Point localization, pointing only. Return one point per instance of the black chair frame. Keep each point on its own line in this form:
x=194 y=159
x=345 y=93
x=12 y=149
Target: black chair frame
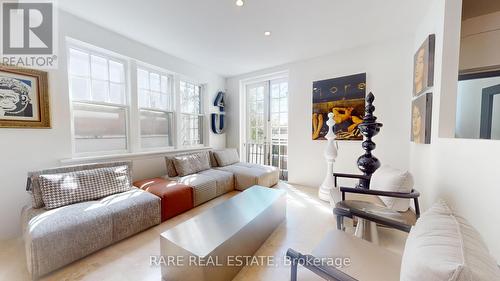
x=314 y=264
x=340 y=213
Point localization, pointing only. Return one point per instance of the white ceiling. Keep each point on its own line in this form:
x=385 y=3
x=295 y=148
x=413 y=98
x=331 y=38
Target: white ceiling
x=229 y=40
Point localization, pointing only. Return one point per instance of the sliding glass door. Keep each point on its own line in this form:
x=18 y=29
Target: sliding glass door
x=267 y=124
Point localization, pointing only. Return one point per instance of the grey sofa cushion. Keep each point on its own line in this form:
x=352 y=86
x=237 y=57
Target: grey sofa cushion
x=60 y=236
x=247 y=175
x=73 y=187
x=169 y=162
x=444 y=246
x=192 y=163
x=133 y=211
x=57 y=237
x=224 y=180
x=204 y=187
x=33 y=186
x=36 y=196
x=226 y=156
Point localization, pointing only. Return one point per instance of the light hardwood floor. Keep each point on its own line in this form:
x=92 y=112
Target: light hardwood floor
x=308 y=219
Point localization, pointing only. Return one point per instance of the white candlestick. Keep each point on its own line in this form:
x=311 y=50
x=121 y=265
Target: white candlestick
x=328 y=188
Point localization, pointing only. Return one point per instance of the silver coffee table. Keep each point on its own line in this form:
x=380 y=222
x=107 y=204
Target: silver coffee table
x=208 y=246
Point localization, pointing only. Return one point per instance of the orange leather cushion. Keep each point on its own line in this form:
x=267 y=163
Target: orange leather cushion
x=176 y=198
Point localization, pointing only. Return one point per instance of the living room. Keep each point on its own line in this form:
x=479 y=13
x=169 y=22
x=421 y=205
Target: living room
x=196 y=140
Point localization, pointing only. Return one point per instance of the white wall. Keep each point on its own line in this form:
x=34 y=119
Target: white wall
x=389 y=74
x=463 y=172
x=29 y=149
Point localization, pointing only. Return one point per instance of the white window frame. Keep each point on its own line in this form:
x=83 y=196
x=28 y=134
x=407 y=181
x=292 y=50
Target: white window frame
x=265 y=114
x=243 y=104
x=200 y=114
x=132 y=108
x=171 y=77
x=108 y=55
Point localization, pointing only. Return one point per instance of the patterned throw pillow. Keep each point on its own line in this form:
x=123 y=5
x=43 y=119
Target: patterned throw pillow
x=226 y=157
x=67 y=188
x=169 y=161
x=213 y=161
x=192 y=163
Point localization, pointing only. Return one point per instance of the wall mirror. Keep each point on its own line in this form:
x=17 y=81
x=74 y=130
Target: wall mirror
x=478 y=95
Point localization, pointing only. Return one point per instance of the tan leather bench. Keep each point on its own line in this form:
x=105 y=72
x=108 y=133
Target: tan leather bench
x=176 y=198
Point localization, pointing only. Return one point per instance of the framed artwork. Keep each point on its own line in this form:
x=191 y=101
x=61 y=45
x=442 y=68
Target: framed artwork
x=421 y=119
x=345 y=97
x=24 y=98
x=423 y=66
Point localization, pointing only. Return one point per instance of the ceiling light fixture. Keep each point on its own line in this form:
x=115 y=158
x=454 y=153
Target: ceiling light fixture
x=239 y=3
x=267 y=33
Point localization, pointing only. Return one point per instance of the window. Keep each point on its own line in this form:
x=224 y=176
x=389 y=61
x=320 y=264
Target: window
x=191 y=114
x=155 y=108
x=99 y=128
x=99 y=101
x=159 y=112
x=256 y=112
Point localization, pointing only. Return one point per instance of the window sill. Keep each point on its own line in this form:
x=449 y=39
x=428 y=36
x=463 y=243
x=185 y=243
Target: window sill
x=130 y=156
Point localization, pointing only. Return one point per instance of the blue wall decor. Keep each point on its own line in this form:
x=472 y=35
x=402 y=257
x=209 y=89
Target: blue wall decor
x=218 y=118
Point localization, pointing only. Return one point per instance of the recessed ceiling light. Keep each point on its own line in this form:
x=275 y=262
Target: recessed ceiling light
x=267 y=33
x=239 y=3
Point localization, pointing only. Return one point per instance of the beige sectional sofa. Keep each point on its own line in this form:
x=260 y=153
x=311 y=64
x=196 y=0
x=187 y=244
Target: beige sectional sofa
x=207 y=184
x=247 y=175
x=213 y=173
x=78 y=210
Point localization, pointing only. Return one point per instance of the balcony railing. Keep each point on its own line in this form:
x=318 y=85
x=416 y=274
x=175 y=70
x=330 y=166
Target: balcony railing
x=273 y=154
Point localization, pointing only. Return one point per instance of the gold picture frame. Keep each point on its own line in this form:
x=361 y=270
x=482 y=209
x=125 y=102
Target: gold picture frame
x=24 y=98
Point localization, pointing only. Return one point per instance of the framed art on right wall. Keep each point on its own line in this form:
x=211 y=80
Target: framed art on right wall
x=421 y=119
x=423 y=66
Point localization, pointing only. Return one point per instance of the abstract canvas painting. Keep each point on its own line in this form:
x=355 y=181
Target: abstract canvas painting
x=423 y=66
x=421 y=119
x=24 y=99
x=345 y=97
